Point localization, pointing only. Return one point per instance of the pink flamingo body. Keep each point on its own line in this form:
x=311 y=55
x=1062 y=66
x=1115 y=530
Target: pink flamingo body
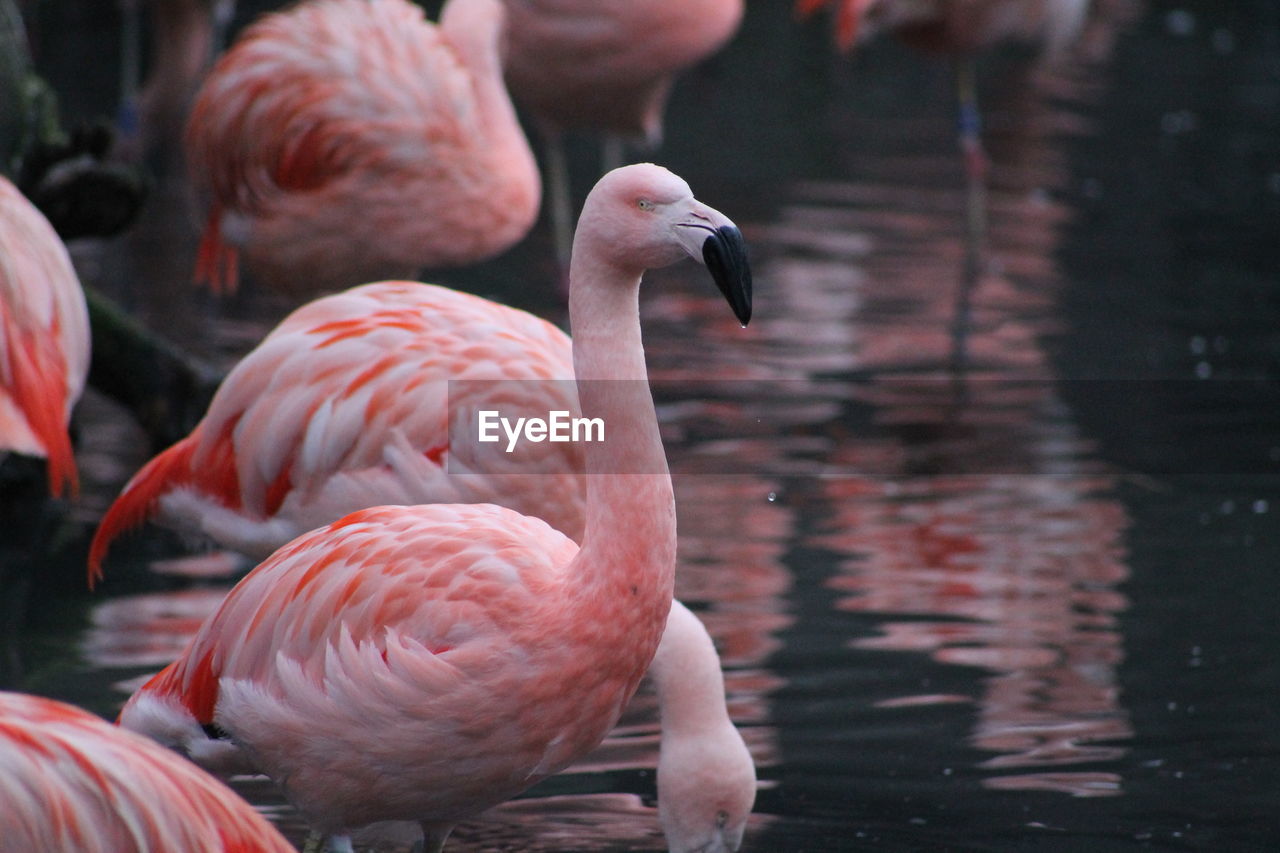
x=348 y=140
x=608 y=65
x=423 y=663
x=345 y=405
x=44 y=338
x=70 y=781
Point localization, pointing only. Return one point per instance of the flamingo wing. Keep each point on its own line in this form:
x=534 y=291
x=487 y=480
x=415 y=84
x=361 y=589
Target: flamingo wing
x=344 y=405
x=44 y=338
x=71 y=781
x=393 y=622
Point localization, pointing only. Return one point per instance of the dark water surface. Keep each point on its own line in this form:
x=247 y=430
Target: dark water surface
x=1007 y=585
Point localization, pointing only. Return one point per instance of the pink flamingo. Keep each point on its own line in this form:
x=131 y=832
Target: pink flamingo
x=426 y=662
x=315 y=422
x=72 y=781
x=350 y=140
x=339 y=367
x=606 y=66
x=44 y=339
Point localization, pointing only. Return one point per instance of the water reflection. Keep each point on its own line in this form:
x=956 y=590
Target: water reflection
x=966 y=515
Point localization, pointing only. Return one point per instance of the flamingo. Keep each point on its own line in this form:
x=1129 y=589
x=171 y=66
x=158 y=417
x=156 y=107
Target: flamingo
x=606 y=66
x=315 y=423
x=244 y=479
x=44 y=339
x=71 y=781
x=349 y=140
x=185 y=37
x=426 y=662
x=960 y=29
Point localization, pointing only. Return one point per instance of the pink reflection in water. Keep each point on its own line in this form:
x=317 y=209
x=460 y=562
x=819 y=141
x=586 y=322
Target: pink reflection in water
x=1012 y=568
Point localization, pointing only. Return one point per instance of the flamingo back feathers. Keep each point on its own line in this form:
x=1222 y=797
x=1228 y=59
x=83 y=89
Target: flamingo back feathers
x=355 y=140
x=71 y=781
x=344 y=405
x=44 y=338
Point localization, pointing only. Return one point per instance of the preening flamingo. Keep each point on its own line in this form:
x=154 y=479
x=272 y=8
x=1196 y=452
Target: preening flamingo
x=349 y=140
x=606 y=66
x=44 y=339
x=426 y=662
x=72 y=782
x=345 y=405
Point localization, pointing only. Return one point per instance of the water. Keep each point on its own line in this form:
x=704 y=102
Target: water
x=1007 y=588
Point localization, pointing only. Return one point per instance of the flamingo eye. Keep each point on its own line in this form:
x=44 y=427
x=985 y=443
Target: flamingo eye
x=645 y=204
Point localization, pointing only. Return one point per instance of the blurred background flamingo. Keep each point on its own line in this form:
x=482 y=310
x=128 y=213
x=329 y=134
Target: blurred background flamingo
x=961 y=30
x=477 y=684
x=344 y=141
x=605 y=66
x=44 y=339
x=185 y=37
x=70 y=781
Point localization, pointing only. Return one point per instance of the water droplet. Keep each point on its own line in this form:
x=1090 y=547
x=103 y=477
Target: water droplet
x=1180 y=22
x=1204 y=370
x=1220 y=344
x=1198 y=345
x=1273 y=182
x=947 y=771
x=1227 y=507
x=1172 y=706
x=1260 y=506
x=773 y=496
x=1223 y=41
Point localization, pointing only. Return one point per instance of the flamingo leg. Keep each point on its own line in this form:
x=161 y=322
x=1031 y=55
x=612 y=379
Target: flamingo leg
x=558 y=197
x=433 y=838
x=130 y=66
x=976 y=168
x=613 y=152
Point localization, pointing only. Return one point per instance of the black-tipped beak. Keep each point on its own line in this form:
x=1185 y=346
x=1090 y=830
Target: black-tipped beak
x=725 y=254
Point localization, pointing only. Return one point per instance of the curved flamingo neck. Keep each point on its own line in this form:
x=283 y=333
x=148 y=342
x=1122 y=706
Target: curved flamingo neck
x=686 y=673
x=629 y=531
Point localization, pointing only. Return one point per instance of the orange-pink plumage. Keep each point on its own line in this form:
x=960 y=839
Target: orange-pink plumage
x=345 y=405
x=44 y=339
x=70 y=781
x=425 y=662
x=608 y=65
x=349 y=140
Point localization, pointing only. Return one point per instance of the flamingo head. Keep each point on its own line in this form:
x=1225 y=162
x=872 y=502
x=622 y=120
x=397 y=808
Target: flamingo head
x=645 y=217
x=706 y=788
